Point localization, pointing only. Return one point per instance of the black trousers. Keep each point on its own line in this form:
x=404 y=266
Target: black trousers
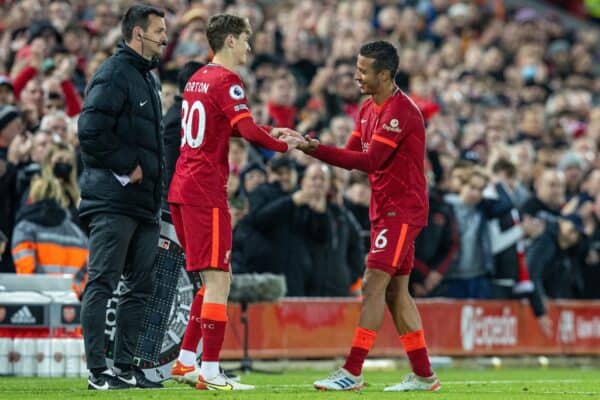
x=119 y=245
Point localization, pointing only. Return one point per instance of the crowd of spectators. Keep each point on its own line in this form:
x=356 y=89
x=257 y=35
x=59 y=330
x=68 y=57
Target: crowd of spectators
x=511 y=103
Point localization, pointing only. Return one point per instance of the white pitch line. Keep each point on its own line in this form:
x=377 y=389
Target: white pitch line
x=501 y=382
x=482 y=382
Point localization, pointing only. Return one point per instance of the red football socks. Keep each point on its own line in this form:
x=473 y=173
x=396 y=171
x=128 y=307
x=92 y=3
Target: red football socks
x=193 y=331
x=214 y=321
x=361 y=344
x=416 y=350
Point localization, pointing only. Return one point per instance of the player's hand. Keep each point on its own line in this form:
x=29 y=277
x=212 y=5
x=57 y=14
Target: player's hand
x=277 y=133
x=136 y=175
x=309 y=145
x=292 y=141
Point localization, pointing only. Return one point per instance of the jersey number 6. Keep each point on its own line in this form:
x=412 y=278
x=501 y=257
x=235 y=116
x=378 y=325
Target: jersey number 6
x=193 y=139
x=381 y=240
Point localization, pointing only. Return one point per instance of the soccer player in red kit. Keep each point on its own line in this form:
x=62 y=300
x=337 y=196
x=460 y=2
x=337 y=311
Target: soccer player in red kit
x=214 y=107
x=388 y=143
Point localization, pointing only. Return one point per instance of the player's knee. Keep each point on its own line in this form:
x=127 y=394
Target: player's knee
x=397 y=290
x=216 y=285
x=375 y=283
x=391 y=295
x=377 y=276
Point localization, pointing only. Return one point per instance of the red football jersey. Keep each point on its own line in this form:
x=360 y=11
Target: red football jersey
x=399 y=187
x=214 y=100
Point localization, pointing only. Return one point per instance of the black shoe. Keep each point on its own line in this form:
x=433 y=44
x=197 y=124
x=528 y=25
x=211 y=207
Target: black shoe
x=135 y=377
x=106 y=381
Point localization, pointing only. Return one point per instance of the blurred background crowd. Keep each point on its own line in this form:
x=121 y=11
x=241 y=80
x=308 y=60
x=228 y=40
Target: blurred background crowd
x=510 y=96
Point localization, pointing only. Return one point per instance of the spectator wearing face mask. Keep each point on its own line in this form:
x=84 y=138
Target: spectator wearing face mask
x=59 y=163
x=40 y=145
x=62 y=161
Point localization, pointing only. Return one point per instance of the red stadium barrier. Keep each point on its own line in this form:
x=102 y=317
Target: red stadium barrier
x=322 y=328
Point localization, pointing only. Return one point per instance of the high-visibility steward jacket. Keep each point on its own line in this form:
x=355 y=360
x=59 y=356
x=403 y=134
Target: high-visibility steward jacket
x=46 y=241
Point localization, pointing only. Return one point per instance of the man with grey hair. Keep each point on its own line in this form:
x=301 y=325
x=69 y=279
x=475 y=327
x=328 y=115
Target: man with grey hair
x=57 y=124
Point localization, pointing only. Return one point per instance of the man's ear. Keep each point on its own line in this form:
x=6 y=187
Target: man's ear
x=229 y=40
x=384 y=74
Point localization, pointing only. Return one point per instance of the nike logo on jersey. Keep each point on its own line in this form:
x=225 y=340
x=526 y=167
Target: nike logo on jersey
x=377 y=251
x=143 y=103
x=362 y=121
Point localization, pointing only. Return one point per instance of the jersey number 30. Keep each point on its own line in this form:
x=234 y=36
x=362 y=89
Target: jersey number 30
x=193 y=139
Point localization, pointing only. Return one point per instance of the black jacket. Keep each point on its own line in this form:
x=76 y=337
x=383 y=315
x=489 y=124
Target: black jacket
x=438 y=244
x=8 y=207
x=537 y=208
x=591 y=271
x=339 y=260
x=119 y=128
x=248 y=249
x=554 y=271
x=287 y=232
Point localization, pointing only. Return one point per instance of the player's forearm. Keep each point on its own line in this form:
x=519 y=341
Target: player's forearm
x=255 y=134
x=343 y=158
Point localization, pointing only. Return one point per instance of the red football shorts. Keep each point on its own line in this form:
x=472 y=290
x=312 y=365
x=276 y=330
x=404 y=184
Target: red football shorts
x=204 y=234
x=392 y=246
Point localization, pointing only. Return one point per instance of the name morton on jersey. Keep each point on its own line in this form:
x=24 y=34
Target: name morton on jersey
x=198 y=87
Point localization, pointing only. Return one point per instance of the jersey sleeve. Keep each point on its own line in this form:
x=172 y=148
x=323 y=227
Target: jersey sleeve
x=231 y=98
x=355 y=139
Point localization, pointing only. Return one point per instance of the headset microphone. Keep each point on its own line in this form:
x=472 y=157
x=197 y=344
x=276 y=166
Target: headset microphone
x=153 y=41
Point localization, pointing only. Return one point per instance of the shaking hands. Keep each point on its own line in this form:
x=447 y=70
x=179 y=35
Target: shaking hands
x=295 y=140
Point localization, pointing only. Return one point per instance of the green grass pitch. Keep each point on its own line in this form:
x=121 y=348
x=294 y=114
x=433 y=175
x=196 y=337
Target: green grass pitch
x=504 y=384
